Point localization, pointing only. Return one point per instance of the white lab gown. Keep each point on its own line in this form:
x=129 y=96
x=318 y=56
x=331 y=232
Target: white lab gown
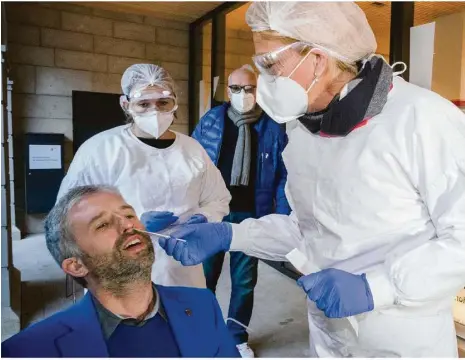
x=387 y=200
x=181 y=179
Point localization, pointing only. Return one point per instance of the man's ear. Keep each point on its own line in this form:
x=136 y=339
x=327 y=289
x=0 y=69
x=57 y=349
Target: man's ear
x=74 y=267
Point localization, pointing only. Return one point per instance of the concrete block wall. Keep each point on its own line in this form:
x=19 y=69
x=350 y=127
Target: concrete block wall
x=239 y=49
x=55 y=48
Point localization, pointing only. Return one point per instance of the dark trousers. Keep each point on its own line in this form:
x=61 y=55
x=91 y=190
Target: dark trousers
x=243 y=280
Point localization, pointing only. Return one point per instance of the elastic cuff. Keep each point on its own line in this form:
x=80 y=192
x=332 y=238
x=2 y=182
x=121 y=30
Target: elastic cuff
x=239 y=237
x=381 y=289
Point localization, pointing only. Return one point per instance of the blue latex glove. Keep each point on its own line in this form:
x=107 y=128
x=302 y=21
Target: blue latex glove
x=197 y=219
x=338 y=293
x=155 y=221
x=202 y=242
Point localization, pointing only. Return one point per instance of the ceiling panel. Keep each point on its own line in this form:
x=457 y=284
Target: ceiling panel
x=187 y=11
x=428 y=11
x=378 y=15
x=236 y=19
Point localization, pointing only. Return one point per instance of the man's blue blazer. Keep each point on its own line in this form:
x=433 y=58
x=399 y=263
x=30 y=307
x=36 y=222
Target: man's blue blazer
x=194 y=315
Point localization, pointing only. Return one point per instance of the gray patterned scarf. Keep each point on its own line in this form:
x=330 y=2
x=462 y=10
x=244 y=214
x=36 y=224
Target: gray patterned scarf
x=241 y=164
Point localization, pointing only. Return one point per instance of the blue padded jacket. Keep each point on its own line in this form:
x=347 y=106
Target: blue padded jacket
x=271 y=172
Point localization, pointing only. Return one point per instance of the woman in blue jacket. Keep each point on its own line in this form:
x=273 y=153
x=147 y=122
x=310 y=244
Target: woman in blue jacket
x=246 y=146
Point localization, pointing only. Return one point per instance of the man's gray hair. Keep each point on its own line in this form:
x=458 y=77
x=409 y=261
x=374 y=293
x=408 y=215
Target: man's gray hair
x=58 y=235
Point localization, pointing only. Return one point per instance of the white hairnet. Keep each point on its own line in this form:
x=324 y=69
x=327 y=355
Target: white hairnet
x=340 y=28
x=140 y=76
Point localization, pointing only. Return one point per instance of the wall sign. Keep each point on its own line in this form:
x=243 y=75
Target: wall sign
x=44 y=157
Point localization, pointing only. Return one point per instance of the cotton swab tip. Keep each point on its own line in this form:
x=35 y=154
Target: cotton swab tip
x=161 y=235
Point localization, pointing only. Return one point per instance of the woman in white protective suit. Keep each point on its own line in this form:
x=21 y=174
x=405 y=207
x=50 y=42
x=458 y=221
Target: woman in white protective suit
x=376 y=182
x=166 y=176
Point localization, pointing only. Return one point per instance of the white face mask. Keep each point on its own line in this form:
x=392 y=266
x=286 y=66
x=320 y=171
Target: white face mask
x=243 y=102
x=154 y=123
x=282 y=98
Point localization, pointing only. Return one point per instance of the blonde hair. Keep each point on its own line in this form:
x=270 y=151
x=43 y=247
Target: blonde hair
x=342 y=66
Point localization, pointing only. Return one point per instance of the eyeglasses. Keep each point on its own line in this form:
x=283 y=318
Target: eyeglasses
x=236 y=89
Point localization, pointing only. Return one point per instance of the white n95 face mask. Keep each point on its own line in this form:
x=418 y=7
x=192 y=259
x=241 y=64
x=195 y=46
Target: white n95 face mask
x=282 y=98
x=154 y=123
x=242 y=102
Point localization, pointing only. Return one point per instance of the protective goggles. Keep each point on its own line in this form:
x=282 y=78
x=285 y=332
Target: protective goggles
x=274 y=63
x=152 y=103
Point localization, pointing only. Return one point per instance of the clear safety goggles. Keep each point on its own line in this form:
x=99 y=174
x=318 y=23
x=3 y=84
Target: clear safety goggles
x=152 y=103
x=275 y=63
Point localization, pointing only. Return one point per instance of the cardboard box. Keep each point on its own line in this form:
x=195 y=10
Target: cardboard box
x=459 y=308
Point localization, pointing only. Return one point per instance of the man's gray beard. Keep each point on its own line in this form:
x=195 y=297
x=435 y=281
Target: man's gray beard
x=115 y=271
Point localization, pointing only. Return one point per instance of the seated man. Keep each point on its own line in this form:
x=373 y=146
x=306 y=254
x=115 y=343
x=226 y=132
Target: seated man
x=93 y=235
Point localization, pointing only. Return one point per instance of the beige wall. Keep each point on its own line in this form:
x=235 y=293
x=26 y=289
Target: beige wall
x=449 y=60
x=56 y=48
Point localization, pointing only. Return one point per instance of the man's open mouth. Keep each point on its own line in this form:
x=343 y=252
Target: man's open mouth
x=134 y=243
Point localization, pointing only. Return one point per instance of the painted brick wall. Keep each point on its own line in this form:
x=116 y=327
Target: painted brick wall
x=54 y=48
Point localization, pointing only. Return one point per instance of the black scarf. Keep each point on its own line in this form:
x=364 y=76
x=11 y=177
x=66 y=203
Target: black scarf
x=365 y=98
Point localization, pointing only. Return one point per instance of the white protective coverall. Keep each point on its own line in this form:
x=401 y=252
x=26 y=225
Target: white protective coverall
x=181 y=179
x=387 y=200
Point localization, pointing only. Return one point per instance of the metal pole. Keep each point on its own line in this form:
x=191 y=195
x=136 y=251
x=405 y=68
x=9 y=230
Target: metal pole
x=402 y=14
x=195 y=73
x=218 y=58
